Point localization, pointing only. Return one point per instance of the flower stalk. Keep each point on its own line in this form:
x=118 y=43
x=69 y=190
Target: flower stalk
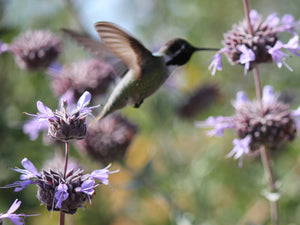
x=67 y=147
x=266 y=161
x=264 y=152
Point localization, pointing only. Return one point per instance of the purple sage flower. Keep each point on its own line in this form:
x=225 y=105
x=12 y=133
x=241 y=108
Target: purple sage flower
x=64 y=124
x=243 y=48
x=102 y=174
x=92 y=75
x=27 y=173
x=247 y=55
x=271 y=126
x=59 y=192
x=17 y=219
x=241 y=147
x=109 y=139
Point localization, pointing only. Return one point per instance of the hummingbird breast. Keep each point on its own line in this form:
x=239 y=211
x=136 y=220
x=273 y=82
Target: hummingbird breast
x=134 y=88
x=154 y=73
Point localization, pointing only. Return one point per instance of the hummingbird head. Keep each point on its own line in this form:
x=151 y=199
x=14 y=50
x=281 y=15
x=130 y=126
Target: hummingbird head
x=179 y=51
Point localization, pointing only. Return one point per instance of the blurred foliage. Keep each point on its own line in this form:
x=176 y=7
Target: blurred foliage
x=173 y=173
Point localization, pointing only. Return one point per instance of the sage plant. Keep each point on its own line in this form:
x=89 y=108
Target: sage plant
x=264 y=123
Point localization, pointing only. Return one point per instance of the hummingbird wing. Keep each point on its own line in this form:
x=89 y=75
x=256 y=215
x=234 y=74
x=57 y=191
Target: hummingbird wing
x=131 y=52
x=96 y=47
x=99 y=50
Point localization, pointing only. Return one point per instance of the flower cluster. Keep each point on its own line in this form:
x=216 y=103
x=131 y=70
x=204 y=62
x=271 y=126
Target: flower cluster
x=34 y=49
x=64 y=124
x=58 y=192
x=108 y=141
x=92 y=75
x=242 y=47
x=269 y=124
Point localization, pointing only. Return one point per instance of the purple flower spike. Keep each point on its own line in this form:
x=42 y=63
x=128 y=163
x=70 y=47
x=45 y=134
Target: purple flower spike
x=19 y=185
x=216 y=63
x=61 y=194
x=241 y=147
x=293 y=45
x=17 y=219
x=288 y=22
x=83 y=101
x=273 y=20
x=246 y=57
x=33 y=127
x=87 y=187
x=102 y=174
x=44 y=111
x=254 y=16
x=29 y=172
x=219 y=124
x=241 y=100
x=278 y=56
x=269 y=95
x=3 y=47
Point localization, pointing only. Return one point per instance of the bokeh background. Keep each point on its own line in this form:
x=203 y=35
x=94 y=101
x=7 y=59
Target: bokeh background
x=172 y=173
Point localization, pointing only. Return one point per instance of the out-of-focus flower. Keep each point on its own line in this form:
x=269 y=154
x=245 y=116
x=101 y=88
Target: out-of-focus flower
x=92 y=75
x=64 y=124
x=243 y=48
x=270 y=124
x=17 y=219
x=61 y=193
x=109 y=139
x=34 y=49
x=199 y=100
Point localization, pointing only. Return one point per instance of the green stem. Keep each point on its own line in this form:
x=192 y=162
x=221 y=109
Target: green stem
x=265 y=158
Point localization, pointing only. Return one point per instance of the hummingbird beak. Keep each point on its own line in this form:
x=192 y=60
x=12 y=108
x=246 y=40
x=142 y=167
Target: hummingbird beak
x=206 y=49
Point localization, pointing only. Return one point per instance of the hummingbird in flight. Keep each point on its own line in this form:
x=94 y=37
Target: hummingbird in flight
x=146 y=71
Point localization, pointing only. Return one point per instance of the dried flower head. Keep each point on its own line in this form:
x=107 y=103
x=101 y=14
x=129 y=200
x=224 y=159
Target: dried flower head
x=263 y=46
x=271 y=125
x=109 y=139
x=36 y=49
x=92 y=75
x=64 y=124
x=61 y=193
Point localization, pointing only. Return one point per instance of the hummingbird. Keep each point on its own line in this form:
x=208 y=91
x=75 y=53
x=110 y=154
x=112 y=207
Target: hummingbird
x=146 y=71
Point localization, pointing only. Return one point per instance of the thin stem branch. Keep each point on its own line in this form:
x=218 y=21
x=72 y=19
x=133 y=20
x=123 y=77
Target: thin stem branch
x=265 y=158
x=258 y=88
x=66 y=158
x=264 y=152
x=62 y=215
x=246 y=8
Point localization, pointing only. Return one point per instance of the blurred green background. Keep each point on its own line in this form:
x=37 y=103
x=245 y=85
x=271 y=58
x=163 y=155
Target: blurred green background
x=174 y=173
